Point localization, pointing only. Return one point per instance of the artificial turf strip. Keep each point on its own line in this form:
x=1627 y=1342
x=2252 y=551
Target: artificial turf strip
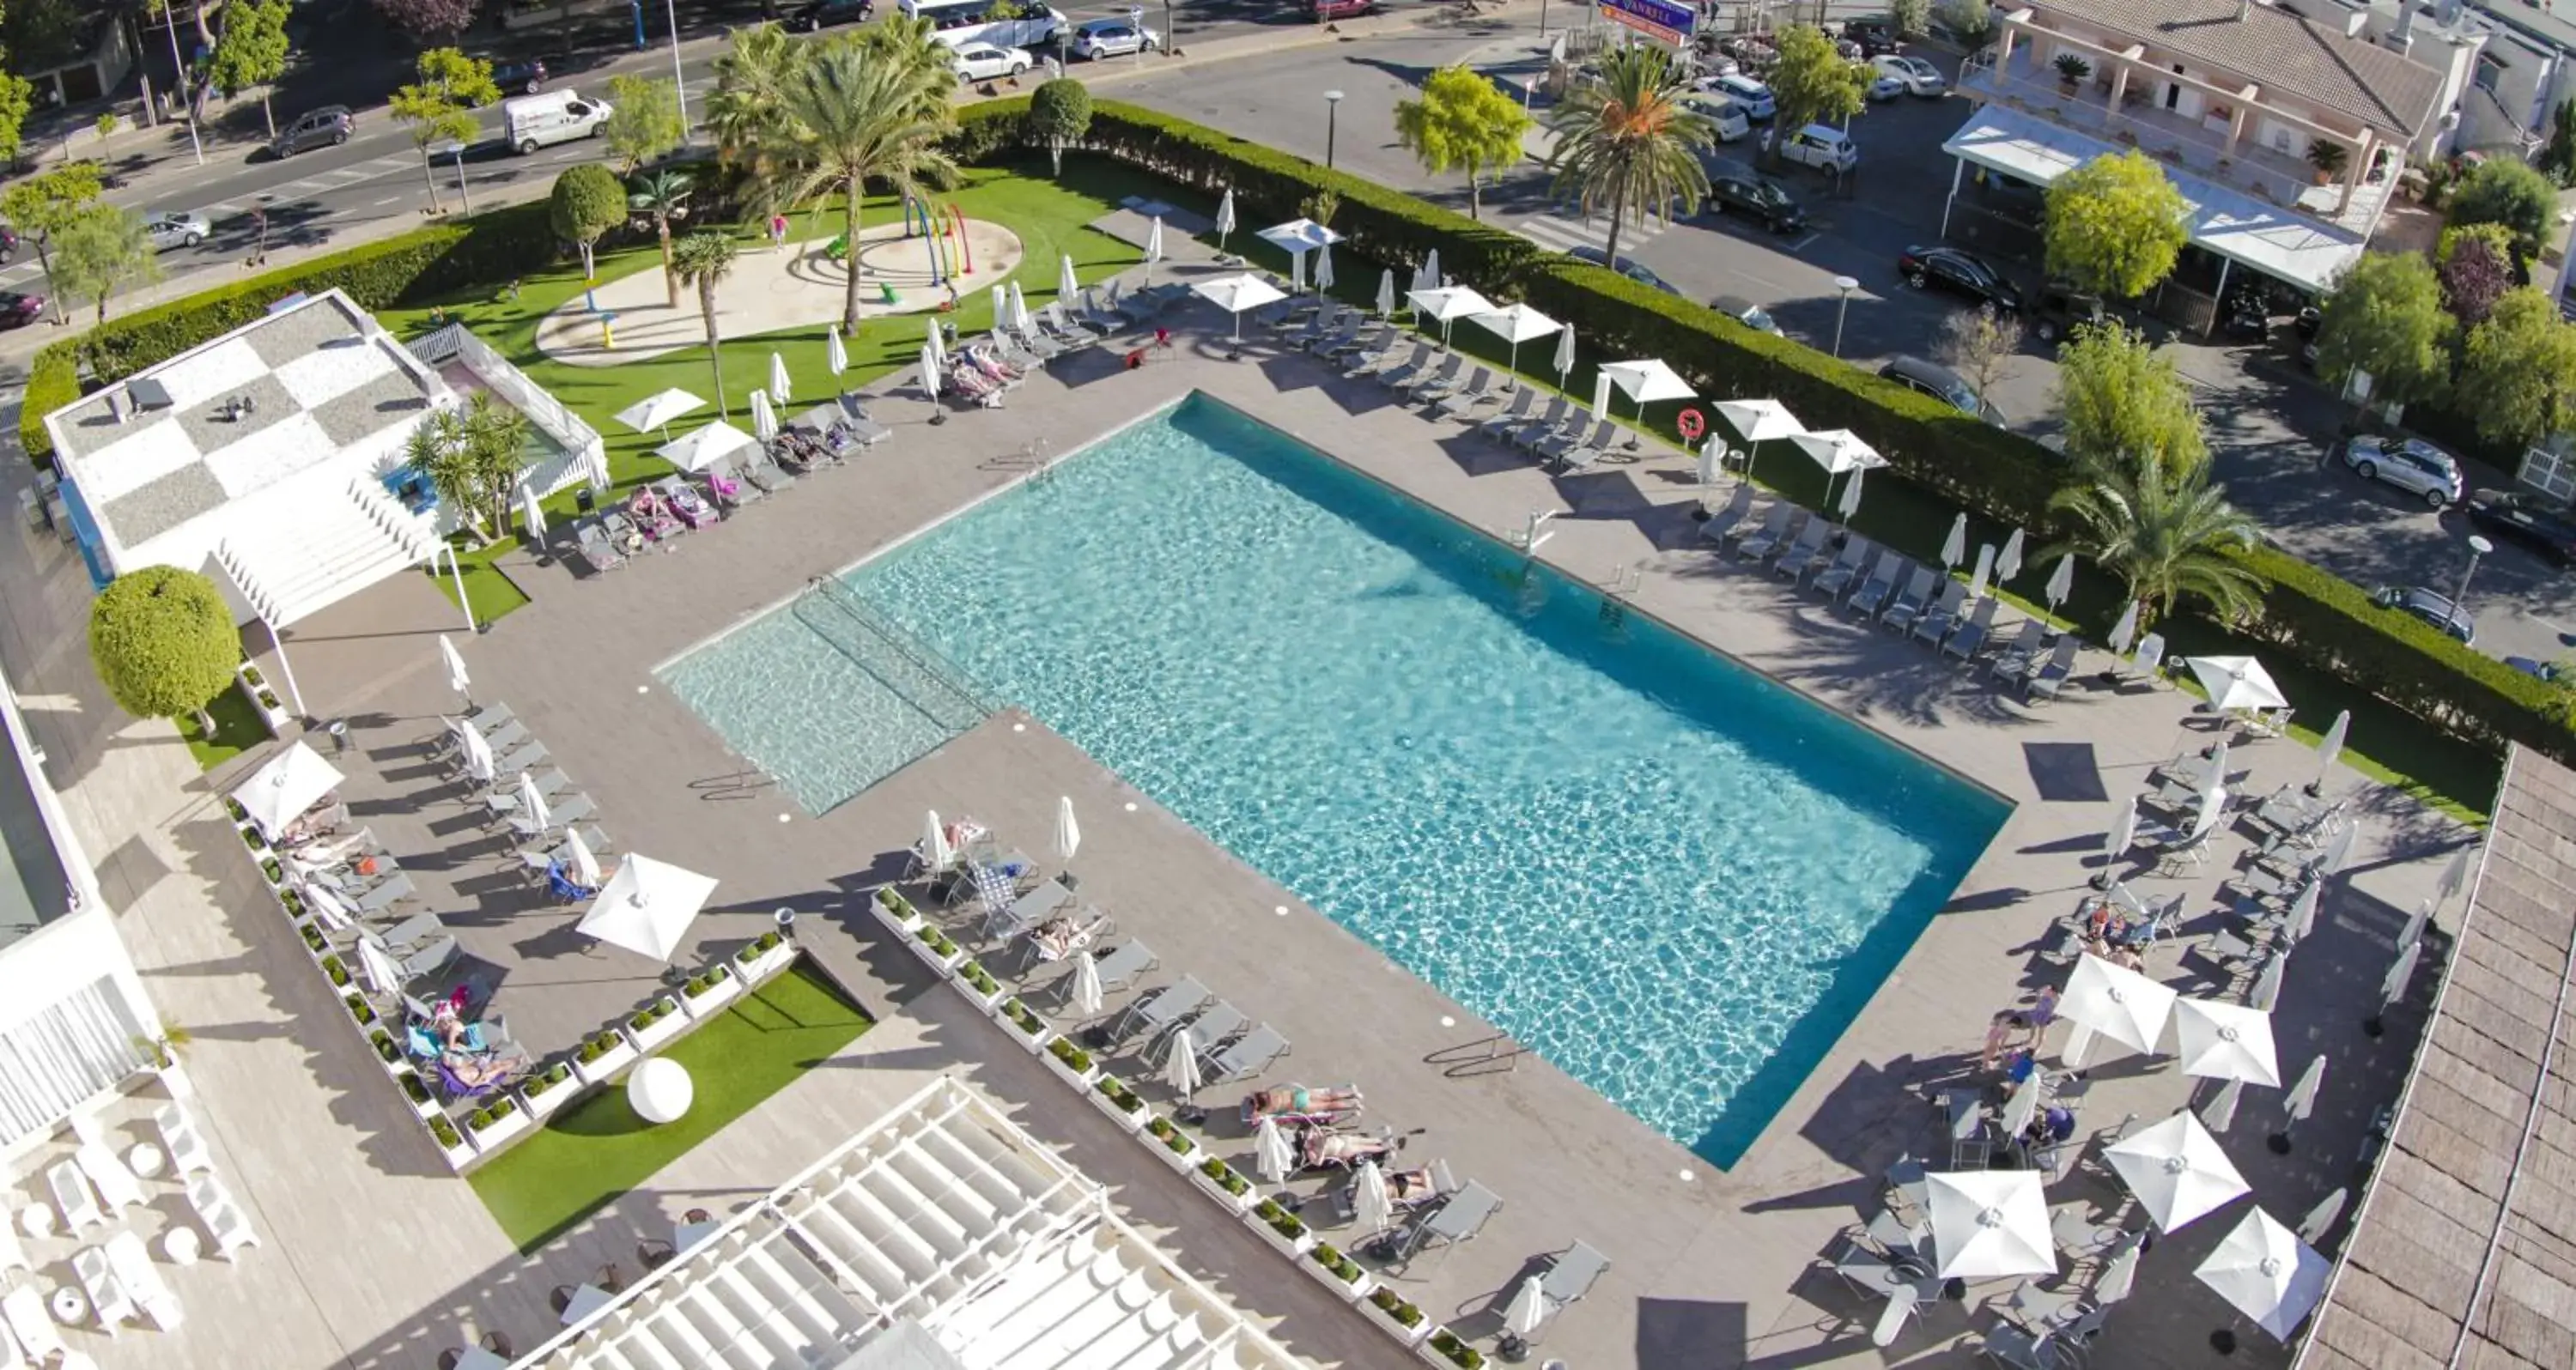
x=238 y=728
x=589 y=1154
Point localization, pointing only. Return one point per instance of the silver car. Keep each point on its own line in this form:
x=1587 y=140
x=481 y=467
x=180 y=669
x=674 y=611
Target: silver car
x=1918 y=76
x=2412 y=465
x=177 y=228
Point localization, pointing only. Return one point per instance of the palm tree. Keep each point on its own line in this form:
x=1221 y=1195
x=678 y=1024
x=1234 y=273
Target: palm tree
x=2165 y=535
x=703 y=259
x=1630 y=139
x=473 y=459
x=851 y=109
x=662 y=197
x=742 y=112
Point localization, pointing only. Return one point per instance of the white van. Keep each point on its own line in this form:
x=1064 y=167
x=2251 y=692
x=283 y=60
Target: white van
x=1826 y=149
x=556 y=116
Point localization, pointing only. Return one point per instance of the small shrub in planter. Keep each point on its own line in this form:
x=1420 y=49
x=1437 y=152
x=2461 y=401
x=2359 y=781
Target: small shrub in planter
x=252 y=839
x=1281 y=1221
x=1173 y=1139
x=339 y=973
x=293 y=902
x=234 y=808
x=768 y=943
x=276 y=873
x=936 y=940
x=1111 y=1089
x=977 y=976
x=1224 y=1176
x=895 y=904
x=268 y=701
x=1343 y=1267
x=313 y=938
x=491 y=1115
x=359 y=1009
x=697 y=985
x=547 y=1079
x=1456 y=1352
x=250 y=676
x=445 y=1132
x=1074 y=1058
x=1393 y=1305
x=413 y=1087
x=597 y=1047
x=653 y=1013
x=385 y=1046
x=1028 y=1023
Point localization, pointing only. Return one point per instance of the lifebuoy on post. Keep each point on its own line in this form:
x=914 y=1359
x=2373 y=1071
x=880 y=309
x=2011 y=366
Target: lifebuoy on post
x=1692 y=423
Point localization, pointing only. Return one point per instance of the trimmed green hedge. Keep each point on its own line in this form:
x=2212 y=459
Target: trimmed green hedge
x=433 y=260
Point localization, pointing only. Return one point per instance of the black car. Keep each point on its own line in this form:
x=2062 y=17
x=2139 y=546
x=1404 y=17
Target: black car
x=1746 y=193
x=2433 y=608
x=1585 y=252
x=1874 y=39
x=823 y=14
x=1941 y=383
x=1947 y=268
x=1747 y=313
x=519 y=75
x=2546 y=528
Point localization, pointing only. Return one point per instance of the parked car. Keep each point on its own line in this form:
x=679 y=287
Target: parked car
x=519 y=75
x=1100 y=38
x=1960 y=273
x=2433 y=608
x=1727 y=119
x=985 y=62
x=1586 y=252
x=2519 y=515
x=17 y=310
x=1747 y=313
x=2411 y=464
x=1873 y=39
x=1920 y=77
x=2535 y=668
x=171 y=228
x=1734 y=189
x=8 y=243
x=1884 y=87
x=823 y=14
x=1941 y=383
x=1823 y=147
x=328 y=126
x=1749 y=95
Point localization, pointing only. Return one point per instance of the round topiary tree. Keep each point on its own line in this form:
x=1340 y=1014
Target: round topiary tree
x=1059 y=113
x=588 y=201
x=163 y=641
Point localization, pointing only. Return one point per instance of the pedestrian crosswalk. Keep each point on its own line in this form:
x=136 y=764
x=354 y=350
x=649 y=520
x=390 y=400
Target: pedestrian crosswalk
x=1564 y=230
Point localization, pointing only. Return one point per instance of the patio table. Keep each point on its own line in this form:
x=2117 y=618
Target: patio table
x=586 y=1300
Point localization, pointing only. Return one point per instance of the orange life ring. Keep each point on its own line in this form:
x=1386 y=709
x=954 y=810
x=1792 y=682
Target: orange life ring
x=1692 y=424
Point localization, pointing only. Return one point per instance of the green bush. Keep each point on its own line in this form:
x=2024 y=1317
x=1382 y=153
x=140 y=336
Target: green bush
x=162 y=640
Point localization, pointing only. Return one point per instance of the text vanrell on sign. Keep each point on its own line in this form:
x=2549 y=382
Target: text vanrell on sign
x=1657 y=18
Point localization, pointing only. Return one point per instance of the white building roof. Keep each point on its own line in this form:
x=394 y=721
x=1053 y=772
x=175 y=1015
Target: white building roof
x=2277 y=241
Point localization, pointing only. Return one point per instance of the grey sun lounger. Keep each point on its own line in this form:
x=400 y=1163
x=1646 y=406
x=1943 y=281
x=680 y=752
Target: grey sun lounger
x=2016 y=657
x=1457 y=1221
x=433 y=957
x=1423 y=380
x=1721 y=525
x=865 y=431
x=1872 y=595
x=1593 y=448
x=1151 y=1013
x=526 y=758
x=394 y=890
x=1479 y=392
x=1971 y=636
x=1792 y=562
x=1449 y=383
x=1557 y=445
x=1560 y=412
x=1397 y=359
x=1123 y=963
x=1762 y=542
x=509 y=734
x=2052 y=673
x=1211 y=1027
x=489 y=717
x=1908 y=604
x=1934 y=624
x=1572 y=1274
x=1846 y=570
x=591 y=544
x=407 y=936
x=1374 y=337
x=1513 y=415
x=1026 y=912
x=1256 y=1052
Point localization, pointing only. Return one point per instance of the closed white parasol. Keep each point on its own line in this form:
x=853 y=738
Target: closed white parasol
x=780 y=389
x=1273 y=1155
x=1181 y=1067
x=936 y=854
x=457 y=678
x=764 y=417
x=1954 y=548
x=836 y=354
x=2008 y=565
x=1068 y=833
x=1372 y=1208
x=477 y=751
x=647 y=906
x=2176 y=1169
x=585 y=863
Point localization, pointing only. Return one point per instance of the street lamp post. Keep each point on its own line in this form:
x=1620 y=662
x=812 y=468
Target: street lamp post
x=1844 y=285
x=456 y=149
x=1332 y=123
x=2478 y=547
x=179 y=87
x=679 y=84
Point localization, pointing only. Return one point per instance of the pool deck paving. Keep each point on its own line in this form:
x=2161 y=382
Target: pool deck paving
x=1709 y=1267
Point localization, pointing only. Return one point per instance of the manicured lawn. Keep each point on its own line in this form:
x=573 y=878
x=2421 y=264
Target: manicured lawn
x=598 y=1149
x=237 y=729
x=489 y=588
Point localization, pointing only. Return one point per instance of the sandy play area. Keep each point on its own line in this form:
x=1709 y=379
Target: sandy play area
x=771 y=289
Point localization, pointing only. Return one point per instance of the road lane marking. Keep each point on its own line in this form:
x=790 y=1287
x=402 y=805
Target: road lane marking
x=1802 y=244
x=388 y=200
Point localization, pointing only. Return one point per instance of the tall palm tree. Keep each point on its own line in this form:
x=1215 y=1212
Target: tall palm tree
x=851 y=109
x=1630 y=138
x=704 y=259
x=2164 y=534
x=663 y=197
x=742 y=112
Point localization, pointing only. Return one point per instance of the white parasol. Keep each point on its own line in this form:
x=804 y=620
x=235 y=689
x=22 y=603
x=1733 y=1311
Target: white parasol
x=1430 y=279
x=936 y=854
x=2176 y=1169
x=1153 y=247
x=655 y=412
x=1181 y=1068
x=1372 y=1208
x=1954 y=548
x=1068 y=833
x=1755 y=422
x=2401 y=974
x=930 y=370
x=1848 y=503
x=2061 y=582
x=1527 y=1310
x=1386 y=293
x=706 y=446
x=2321 y=1219
x=456 y=674
x=2338 y=851
x=647 y=906
x=377 y=966
x=836 y=354
x=1840 y=451
x=2123 y=835
x=2267 y=986
x=477 y=750
x=2224 y=1041
x=1564 y=356
x=1297 y=237
x=2219 y=1114
x=1448 y=305
x=1020 y=320
x=2023 y=1105
x=2302 y=1098
x=585 y=864
x=1224 y=220
x=2115 y=1002
x=327 y=906
x=532 y=805
x=2125 y=631
x=1273 y=1156
x=2455 y=876
x=2008 y=565
x=532 y=511
x=279 y=792
x=1235 y=294
x=1067 y=285
x=2303 y=911
x=1646 y=382
x=1516 y=324
x=2268 y=1274
x=2119 y=1275
x=2330 y=747
x=1988 y=1224
x=1087 y=992
x=2236 y=682
x=780 y=390
x=1985 y=568
x=764 y=417
x=2413 y=932
x=1323 y=268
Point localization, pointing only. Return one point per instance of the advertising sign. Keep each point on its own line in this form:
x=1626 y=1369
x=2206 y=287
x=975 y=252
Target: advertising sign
x=1660 y=19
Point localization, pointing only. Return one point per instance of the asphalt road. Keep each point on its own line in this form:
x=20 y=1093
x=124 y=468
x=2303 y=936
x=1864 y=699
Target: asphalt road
x=2269 y=427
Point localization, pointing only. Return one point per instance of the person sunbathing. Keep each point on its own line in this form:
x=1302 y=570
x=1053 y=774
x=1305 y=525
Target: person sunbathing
x=1410 y=1187
x=474 y=1071
x=1325 y=1146
x=1059 y=938
x=1297 y=1101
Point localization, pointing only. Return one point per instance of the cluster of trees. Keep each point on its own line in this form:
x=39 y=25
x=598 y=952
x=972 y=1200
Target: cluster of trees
x=89 y=249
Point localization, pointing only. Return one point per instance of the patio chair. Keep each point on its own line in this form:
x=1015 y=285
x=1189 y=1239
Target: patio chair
x=1528 y=435
x=394 y=890
x=1571 y=1274
x=1763 y=541
x=1909 y=603
x=1451 y=383
x=73 y=1197
x=1151 y=1013
x=1456 y=1222
x=1256 y=1051
x=108 y=1301
x=1873 y=593
x=1971 y=635
x=1362 y=341
x=1210 y=1028
x=1933 y=623
x=2052 y=674
x=1523 y=407
x=1330 y=336
x=1721 y=525
x=1792 y=562
x=2142 y=664
x=1837 y=576
x=1024 y=913
x=1596 y=446
x=1479 y=393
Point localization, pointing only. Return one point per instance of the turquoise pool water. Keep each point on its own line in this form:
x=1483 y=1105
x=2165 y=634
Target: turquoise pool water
x=1671 y=877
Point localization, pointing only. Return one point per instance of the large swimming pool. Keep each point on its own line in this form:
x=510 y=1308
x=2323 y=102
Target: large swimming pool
x=1671 y=877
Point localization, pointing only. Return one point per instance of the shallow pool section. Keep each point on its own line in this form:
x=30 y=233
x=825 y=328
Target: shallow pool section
x=1671 y=877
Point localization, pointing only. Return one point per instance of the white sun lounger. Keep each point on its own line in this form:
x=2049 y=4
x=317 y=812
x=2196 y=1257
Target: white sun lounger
x=24 y=1309
x=132 y=1267
x=189 y=1154
x=224 y=1219
x=108 y=1301
x=72 y=1197
x=114 y=1182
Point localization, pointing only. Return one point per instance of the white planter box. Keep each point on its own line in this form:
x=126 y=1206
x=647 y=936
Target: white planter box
x=1035 y=1046
x=424 y=1109
x=617 y=1058
x=1293 y=1249
x=767 y=964
x=492 y=1138
x=557 y=1095
x=1347 y=1292
x=711 y=1002
x=1186 y=1162
x=981 y=999
x=1230 y=1202
x=671 y=1024
x=276 y=718
x=931 y=956
x=1422 y=1351
x=896 y=923
x=461 y=1156
x=1127 y=1120
x=1385 y=1322
x=1079 y=1079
